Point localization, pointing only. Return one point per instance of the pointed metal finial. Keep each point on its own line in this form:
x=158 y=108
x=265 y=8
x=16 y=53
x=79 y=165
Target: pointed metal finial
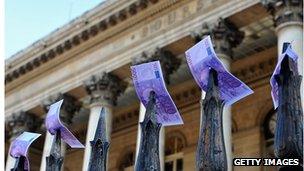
x=151 y=111
x=54 y=160
x=211 y=153
x=100 y=145
x=148 y=156
x=288 y=138
x=19 y=164
x=285 y=46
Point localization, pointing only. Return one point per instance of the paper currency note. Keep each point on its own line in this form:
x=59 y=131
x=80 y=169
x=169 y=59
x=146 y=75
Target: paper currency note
x=274 y=85
x=53 y=124
x=200 y=58
x=148 y=77
x=20 y=146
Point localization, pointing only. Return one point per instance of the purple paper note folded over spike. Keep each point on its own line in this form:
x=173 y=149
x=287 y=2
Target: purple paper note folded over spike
x=148 y=77
x=274 y=85
x=200 y=58
x=20 y=146
x=53 y=124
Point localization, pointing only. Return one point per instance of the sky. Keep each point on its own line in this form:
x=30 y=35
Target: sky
x=27 y=21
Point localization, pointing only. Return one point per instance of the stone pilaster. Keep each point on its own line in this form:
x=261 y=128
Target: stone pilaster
x=16 y=124
x=68 y=109
x=225 y=36
x=288 y=20
x=284 y=11
x=103 y=90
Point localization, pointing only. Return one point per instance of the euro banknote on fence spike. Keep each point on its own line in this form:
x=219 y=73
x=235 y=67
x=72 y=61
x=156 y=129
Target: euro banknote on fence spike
x=148 y=77
x=289 y=53
x=201 y=58
x=20 y=146
x=53 y=124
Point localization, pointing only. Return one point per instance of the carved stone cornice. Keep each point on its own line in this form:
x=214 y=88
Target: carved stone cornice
x=188 y=96
x=169 y=62
x=113 y=58
x=224 y=34
x=125 y=120
x=20 y=122
x=256 y=71
x=69 y=107
x=83 y=36
x=284 y=11
x=104 y=88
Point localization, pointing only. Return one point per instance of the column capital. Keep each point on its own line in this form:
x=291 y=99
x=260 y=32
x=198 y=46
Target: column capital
x=169 y=62
x=104 y=88
x=20 y=122
x=285 y=11
x=225 y=36
x=69 y=107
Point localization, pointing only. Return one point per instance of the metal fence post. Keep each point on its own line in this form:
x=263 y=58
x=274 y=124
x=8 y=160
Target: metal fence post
x=54 y=160
x=19 y=164
x=148 y=155
x=100 y=146
x=288 y=139
x=211 y=153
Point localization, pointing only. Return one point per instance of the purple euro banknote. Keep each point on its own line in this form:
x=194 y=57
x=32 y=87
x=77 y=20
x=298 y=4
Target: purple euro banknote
x=200 y=58
x=274 y=85
x=53 y=124
x=20 y=146
x=148 y=77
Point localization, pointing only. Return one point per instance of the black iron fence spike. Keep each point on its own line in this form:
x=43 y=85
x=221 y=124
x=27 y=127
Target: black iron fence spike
x=100 y=145
x=148 y=155
x=19 y=164
x=211 y=153
x=288 y=140
x=55 y=160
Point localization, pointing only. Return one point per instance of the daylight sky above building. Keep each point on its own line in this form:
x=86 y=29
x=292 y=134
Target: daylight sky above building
x=30 y=20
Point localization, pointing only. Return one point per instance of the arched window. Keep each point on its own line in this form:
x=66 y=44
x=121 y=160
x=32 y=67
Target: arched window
x=174 y=152
x=269 y=126
x=269 y=130
x=127 y=162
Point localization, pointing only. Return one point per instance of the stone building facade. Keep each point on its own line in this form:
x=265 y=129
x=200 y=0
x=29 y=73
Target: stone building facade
x=87 y=63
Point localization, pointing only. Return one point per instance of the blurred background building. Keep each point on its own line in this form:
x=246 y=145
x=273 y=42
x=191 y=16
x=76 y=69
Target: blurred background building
x=87 y=63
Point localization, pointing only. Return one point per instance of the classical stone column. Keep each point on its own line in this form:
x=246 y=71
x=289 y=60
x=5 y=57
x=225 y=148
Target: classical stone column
x=16 y=125
x=103 y=90
x=225 y=36
x=288 y=21
x=68 y=109
x=169 y=64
